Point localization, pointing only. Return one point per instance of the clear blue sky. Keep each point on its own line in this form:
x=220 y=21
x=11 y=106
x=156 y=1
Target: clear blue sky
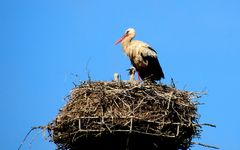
x=44 y=43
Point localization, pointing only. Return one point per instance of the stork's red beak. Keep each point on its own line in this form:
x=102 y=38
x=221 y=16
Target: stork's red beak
x=120 y=40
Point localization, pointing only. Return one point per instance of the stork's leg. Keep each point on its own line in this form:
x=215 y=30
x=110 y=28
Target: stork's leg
x=139 y=77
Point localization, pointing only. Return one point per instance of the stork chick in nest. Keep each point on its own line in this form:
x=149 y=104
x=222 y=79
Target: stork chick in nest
x=132 y=71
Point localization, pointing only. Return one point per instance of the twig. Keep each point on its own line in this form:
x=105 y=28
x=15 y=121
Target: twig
x=87 y=70
x=207 y=124
x=26 y=136
x=205 y=145
x=173 y=85
x=35 y=137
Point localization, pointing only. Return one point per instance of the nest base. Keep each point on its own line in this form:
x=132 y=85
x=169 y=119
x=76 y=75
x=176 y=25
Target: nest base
x=123 y=141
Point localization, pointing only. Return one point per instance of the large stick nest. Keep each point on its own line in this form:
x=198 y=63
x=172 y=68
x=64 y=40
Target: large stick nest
x=120 y=115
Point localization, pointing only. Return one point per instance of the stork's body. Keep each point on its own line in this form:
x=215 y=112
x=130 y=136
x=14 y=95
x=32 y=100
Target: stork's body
x=142 y=56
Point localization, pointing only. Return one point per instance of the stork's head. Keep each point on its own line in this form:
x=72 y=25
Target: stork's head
x=129 y=33
x=131 y=70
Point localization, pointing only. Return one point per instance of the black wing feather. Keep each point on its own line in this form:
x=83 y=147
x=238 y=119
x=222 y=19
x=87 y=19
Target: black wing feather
x=153 y=71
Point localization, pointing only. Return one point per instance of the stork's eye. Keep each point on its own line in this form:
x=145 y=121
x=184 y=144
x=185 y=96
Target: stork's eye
x=127 y=32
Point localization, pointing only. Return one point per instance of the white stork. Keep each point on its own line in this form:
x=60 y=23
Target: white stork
x=142 y=56
x=131 y=72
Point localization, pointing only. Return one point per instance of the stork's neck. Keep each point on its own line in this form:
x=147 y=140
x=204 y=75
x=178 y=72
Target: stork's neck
x=132 y=77
x=125 y=44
